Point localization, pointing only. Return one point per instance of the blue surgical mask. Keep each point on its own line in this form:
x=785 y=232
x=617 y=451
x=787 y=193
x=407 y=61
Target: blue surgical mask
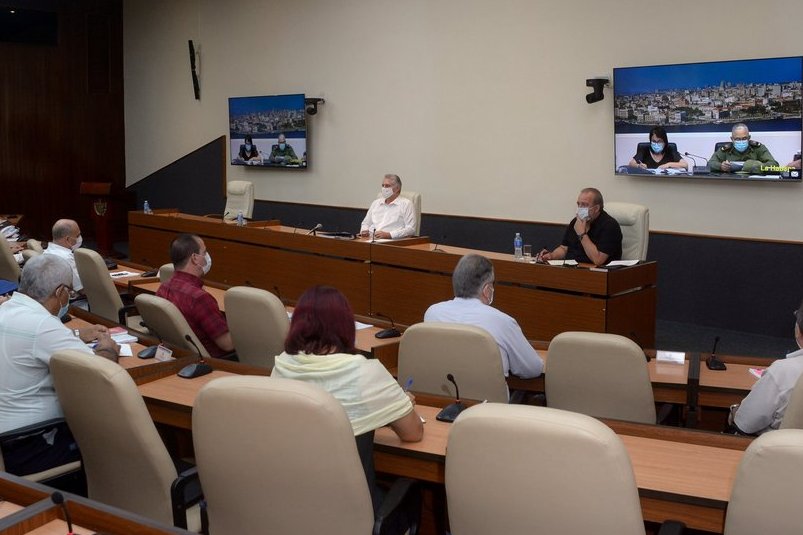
x=741 y=145
x=582 y=213
x=282 y=146
x=657 y=148
x=248 y=147
x=63 y=310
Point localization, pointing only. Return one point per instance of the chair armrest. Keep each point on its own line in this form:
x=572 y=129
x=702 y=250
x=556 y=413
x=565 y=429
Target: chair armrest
x=672 y=527
x=184 y=493
x=125 y=311
x=400 y=511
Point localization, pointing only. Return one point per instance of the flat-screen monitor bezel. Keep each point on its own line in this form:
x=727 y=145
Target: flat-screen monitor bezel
x=741 y=73
x=290 y=110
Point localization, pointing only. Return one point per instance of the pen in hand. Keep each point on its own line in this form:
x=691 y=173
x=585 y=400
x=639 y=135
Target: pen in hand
x=408 y=383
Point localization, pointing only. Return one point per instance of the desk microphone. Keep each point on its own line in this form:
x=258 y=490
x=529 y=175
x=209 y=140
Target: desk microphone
x=713 y=362
x=697 y=168
x=391 y=332
x=224 y=215
x=58 y=499
x=453 y=410
x=315 y=229
x=150 y=351
x=188 y=338
x=437 y=250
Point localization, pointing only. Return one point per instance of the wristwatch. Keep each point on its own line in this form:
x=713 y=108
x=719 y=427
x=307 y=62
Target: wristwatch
x=580 y=236
x=77 y=333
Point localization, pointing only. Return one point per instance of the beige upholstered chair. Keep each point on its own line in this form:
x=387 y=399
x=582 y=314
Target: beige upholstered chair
x=239 y=196
x=258 y=324
x=429 y=351
x=166 y=272
x=101 y=294
x=126 y=463
x=9 y=269
x=35 y=245
x=524 y=469
x=291 y=462
x=768 y=485
x=602 y=375
x=415 y=198
x=165 y=321
x=635 y=222
x=793 y=416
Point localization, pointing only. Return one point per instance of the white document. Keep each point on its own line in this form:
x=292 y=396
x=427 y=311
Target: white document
x=673 y=357
x=125 y=350
x=360 y=325
x=122 y=274
x=562 y=262
x=622 y=263
x=124 y=338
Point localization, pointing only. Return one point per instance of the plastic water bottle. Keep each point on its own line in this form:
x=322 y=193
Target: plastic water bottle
x=518 y=244
x=147 y=208
x=240 y=219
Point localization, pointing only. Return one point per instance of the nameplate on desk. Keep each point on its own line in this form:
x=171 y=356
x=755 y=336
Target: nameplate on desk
x=562 y=262
x=670 y=357
x=163 y=354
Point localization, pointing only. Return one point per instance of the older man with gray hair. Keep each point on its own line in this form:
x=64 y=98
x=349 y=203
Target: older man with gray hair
x=391 y=216
x=30 y=332
x=473 y=285
x=741 y=154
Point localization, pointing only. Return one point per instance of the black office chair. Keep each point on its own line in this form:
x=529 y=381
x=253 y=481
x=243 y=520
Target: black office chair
x=720 y=144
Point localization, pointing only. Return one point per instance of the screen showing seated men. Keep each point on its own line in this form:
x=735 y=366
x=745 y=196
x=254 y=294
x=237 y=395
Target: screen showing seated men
x=726 y=119
x=268 y=131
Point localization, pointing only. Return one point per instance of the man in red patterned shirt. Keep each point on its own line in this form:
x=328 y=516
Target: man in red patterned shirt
x=185 y=290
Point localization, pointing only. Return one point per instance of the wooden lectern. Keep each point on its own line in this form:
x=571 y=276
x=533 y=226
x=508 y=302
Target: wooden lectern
x=101 y=194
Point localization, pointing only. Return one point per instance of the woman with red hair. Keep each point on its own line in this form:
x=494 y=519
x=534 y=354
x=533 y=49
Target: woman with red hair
x=320 y=349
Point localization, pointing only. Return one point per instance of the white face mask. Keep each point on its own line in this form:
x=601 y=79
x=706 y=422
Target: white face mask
x=208 y=264
x=387 y=193
x=582 y=213
x=78 y=242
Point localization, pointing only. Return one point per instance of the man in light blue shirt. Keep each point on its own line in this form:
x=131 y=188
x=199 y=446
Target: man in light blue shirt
x=473 y=284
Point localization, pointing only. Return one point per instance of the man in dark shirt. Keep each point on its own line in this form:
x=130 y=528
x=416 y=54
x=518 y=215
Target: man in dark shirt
x=592 y=237
x=185 y=290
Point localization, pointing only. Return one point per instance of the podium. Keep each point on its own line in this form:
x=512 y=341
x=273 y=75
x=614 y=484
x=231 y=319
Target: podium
x=101 y=193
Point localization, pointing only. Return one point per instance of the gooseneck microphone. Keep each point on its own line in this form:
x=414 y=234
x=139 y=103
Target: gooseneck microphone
x=315 y=229
x=697 y=168
x=453 y=410
x=150 y=351
x=713 y=362
x=188 y=338
x=391 y=332
x=58 y=499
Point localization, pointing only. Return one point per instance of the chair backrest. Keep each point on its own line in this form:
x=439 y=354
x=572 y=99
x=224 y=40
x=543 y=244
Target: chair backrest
x=291 y=462
x=126 y=463
x=793 y=416
x=258 y=324
x=166 y=272
x=720 y=144
x=768 y=485
x=239 y=197
x=599 y=374
x=415 y=198
x=101 y=294
x=167 y=322
x=429 y=351
x=35 y=245
x=524 y=469
x=9 y=268
x=634 y=219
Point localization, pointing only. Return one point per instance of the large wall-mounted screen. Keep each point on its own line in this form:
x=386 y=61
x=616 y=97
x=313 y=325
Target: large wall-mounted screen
x=268 y=131
x=696 y=106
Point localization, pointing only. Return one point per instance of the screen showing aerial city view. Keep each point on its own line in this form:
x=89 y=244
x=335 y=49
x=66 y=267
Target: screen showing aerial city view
x=698 y=104
x=268 y=131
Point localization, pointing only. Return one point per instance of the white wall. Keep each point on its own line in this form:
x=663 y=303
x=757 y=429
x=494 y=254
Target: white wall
x=477 y=104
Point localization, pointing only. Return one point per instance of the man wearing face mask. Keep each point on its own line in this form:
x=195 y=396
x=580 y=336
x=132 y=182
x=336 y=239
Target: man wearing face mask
x=473 y=285
x=282 y=153
x=30 y=333
x=741 y=149
x=391 y=216
x=248 y=151
x=66 y=239
x=592 y=237
x=185 y=289
x=764 y=407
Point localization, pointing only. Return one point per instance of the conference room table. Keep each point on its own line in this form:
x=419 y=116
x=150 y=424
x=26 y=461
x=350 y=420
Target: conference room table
x=399 y=279
x=26 y=508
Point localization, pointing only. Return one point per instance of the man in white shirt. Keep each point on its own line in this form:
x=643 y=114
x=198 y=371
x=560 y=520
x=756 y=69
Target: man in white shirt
x=473 y=284
x=30 y=332
x=66 y=239
x=763 y=409
x=391 y=216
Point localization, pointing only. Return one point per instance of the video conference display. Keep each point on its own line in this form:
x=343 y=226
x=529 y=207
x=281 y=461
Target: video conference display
x=268 y=131
x=698 y=104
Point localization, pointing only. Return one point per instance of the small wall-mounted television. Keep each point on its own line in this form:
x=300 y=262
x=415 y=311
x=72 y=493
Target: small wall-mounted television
x=699 y=103
x=268 y=131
